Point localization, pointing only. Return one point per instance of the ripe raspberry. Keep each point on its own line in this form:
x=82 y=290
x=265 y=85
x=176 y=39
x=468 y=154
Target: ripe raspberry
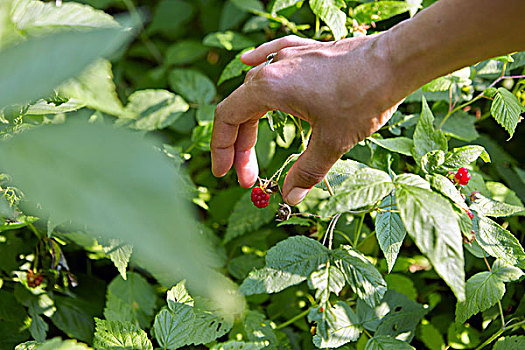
x=470 y=215
x=462 y=176
x=260 y=198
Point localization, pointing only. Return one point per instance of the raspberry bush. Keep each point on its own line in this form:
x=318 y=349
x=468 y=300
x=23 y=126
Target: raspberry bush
x=115 y=235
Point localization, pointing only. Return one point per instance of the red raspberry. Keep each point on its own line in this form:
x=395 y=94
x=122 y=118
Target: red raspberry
x=462 y=176
x=470 y=215
x=465 y=179
x=260 y=198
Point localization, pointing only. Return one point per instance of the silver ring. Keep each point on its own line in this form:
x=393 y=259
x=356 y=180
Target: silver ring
x=269 y=58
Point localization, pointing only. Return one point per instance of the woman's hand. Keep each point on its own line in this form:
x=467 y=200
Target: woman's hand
x=344 y=89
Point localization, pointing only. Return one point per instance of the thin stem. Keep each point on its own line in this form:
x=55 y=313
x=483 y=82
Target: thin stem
x=332 y=231
x=499 y=302
x=330 y=190
x=367 y=333
x=292 y=320
x=357 y=232
x=498 y=333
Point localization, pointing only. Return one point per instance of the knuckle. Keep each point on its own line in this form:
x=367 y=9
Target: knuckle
x=289 y=40
x=284 y=53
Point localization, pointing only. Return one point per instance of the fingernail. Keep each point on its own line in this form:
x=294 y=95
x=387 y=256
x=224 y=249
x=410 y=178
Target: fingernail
x=296 y=195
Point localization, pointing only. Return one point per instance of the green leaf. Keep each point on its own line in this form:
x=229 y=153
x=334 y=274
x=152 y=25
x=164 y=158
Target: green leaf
x=426 y=137
x=365 y=187
x=363 y=277
x=192 y=85
x=465 y=155
x=58 y=344
x=209 y=323
x=136 y=293
x=228 y=40
x=257 y=328
x=506 y=109
x=401 y=284
x=516 y=342
x=431 y=336
x=234 y=68
x=430 y=221
x=339 y=326
x=340 y=171
x=95 y=88
x=483 y=290
x=446 y=188
x=329 y=11
x=184 y=52
x=42 y=107
x=23 y=78
x=246 y=217
x=298 y=255
x=456 y=79
x=120 y=254
x=401 y=145
x=38 y=327
x=329 y=279
x=120 y=335
x=412 y=180
x=239 y=345
x=505 y=272
x=382 y=342
x=34 y=17
x=265 y=147
x=279 y=5
x=169 y=16
x=390 y=231
x=153 y=109
x=489 y=207
x=268 y=280
x=254 y=6
x=498 y=242
x=432 y=160
x=74 y=317
x=178 y=295
x=459 y=125
x=172 y=328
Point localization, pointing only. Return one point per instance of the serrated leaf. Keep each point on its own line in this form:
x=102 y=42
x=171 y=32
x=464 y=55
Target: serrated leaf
x=329 y=11
x=506 y=109
x=184 y=52
x=340 y=171
x=58 y=344
x=460 y=125
x=432 y=160
x=192 y=85
x=505 y=272
x=136 y=293
x=430 y=221
x=279 y=5
x=465 y=155
x=327 y=280
x=239 y=345
x=42 y=107
x=516 y=342
x=482 y=291
x=34 y=17
x=120 y=254
x=178 y=294
x=234 y=68
x=95 y=88
x=363 y=277
x=446 y=188
x=228 y=40
x=390 y=230
x=383 y=342
x=172 y=328
x=412 y=180
x=209 y=324
x=258 y=329
x=153 y=109
x=498 y=242
x=120 y=335
x=268 y=280
x=341 y=324
x=365 y=187
x=426 y=137
x=489 y=207
x=401 y=145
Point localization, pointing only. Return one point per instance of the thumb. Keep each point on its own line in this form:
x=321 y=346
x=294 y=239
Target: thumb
x=310 y=169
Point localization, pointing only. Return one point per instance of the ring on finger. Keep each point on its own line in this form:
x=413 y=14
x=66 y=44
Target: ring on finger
x=269 y=58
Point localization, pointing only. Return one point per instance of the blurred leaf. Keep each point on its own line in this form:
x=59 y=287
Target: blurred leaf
x=382 y=342
x=429 y=220
x=401 y=284
x=184 y=52
x=516 y=342
x=234 y=68
x=265 y=146
x=38 y=327
x=380 y=10
x=201 y=136
x=390 y=231
x=58 y=344
x=120 y=335
x=45 y=107
x=169 y=16
x=227 y=40
x=506 y=109
x=249 y=5
x=361 y=274
x=329 y=11
x=238 y=345
x=278 y=5
x=459 y=125
x=95 y=89
x=401 y=145
x=153 y=109
x=192 y=85
x=457 y=78
x=431 y=336
x=71 y=52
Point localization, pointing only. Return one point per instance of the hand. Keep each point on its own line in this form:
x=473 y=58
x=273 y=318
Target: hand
x=344 y=89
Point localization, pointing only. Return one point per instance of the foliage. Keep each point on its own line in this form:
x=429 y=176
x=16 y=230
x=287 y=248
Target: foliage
x=106 y=122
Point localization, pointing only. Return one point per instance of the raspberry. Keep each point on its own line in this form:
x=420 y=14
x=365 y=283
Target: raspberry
x=470 y=215
x=462 y=176
x=34 y=280
x=260 y=198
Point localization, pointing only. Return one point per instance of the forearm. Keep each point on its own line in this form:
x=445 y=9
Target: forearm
x=450 y=35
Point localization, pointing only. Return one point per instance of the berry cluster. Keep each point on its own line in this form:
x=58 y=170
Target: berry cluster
x=260 y=198
x=462 y=176
x=34 y=280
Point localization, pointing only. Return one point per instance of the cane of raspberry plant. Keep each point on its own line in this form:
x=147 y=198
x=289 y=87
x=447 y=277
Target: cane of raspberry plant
x=260 y=198
x=462 y=176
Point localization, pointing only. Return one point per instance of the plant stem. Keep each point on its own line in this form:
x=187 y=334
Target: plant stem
x=357 y=232
x=336 y=218
x=330 y=190
x=292 y=320
x=500 y=308
x=498 y=333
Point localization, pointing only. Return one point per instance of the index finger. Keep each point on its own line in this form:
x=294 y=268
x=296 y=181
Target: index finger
x=243 y=105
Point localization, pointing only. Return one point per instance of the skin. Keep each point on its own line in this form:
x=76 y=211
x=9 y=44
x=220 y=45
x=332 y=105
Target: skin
x=349 y=89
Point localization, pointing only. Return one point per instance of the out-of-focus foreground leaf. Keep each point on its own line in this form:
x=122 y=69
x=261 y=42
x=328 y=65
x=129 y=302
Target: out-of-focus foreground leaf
x=116 y=184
